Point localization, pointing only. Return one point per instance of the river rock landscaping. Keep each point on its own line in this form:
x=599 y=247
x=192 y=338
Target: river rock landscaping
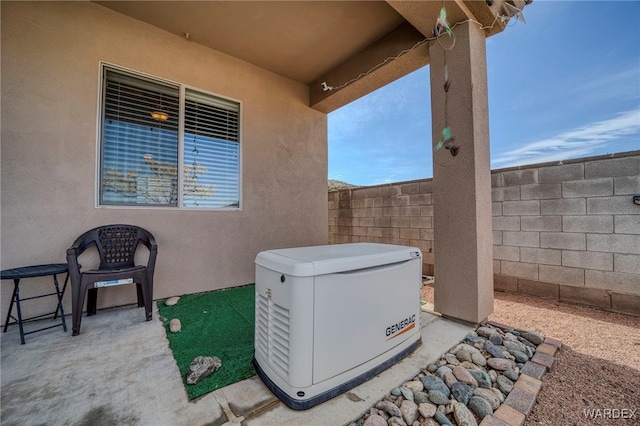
x=494 y=374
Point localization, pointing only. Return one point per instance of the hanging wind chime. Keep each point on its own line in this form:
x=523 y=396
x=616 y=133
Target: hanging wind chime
x=447 y=141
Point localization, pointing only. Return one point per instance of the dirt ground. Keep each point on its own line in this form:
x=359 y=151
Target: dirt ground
x=596 y=377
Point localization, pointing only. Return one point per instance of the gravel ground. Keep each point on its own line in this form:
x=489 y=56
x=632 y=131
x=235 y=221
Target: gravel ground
x=598 y=367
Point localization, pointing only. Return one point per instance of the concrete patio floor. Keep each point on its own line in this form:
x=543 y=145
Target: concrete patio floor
x=120 y=371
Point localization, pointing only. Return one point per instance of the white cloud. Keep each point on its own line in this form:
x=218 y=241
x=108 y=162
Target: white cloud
x=579 y=142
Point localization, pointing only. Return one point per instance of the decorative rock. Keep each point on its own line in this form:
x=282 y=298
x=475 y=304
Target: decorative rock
x=478 y=359
x=504 y=384
x=480 y=407
x=469 y=348
x=438 y=397
x=435 y=383
x=496 y=339
x=520 y=357
x=396 y=421
x=472 y=339
x=414 y=386
x=483 y=379
x=461 y=392
x=499 y=394
x=463 y=355
x=478 y=343
x=389 y=408
x=442 y=371
x=407 y=394
x=375 y=420
x=449 y=379
x=172 y=301
x=489 y=396
x=530 y=351
x=463 y=415
x=442 y=419
x=398 y=401
x=427 y=410
x=409 y=410
x=449 y=407
x=532 y=336
x=201 y=367
x=468 y=383
x=464 y=376
x=512 y=374
x=175 y=325
x=469 y=366
x=420 y=398
x=485 y=331
x=451 y=359
x=514 y=346
x=526 y=342
x=493 y=350
x=500 y=364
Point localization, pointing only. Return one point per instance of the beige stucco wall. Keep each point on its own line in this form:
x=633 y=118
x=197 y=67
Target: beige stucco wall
x=50 y=78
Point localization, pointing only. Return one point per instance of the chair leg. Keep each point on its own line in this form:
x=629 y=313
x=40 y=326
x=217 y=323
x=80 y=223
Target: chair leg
x=77 y=302
x=147 y=294
x=141 y=301
x=92 y=301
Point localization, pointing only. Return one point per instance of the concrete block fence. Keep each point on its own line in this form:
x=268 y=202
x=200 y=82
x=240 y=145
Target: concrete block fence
x=567 y=231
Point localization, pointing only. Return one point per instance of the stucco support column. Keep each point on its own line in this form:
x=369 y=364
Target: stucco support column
x=463 y=237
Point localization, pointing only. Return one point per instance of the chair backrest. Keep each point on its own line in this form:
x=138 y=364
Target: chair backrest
x=116 y=244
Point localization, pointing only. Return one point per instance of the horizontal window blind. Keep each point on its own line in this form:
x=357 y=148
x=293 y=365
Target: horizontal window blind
x=140 y=145
x=211 y=151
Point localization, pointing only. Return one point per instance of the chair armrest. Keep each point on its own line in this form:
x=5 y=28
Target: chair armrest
x=73 y=252
x=150 y=242
x=72 y=265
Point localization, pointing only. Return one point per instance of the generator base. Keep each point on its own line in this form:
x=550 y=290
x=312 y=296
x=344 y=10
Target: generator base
x=305 y=404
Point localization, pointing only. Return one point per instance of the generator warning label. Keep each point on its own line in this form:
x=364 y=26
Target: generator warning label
x=395 y=330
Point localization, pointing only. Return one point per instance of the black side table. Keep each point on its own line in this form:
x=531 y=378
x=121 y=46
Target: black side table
x=16 y=275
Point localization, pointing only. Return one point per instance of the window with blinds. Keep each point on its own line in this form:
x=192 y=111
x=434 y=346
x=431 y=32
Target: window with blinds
x=142 y=145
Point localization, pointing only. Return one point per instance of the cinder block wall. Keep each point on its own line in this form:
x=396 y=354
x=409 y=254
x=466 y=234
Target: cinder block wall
x=400 y=213
x=566 y=231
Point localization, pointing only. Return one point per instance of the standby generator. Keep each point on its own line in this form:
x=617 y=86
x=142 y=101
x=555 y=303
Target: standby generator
x=328 y=318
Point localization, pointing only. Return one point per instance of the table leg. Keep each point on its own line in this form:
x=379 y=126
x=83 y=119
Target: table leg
x=13 y=297
x=16 y=293
x=64 y=288
x=55 y=284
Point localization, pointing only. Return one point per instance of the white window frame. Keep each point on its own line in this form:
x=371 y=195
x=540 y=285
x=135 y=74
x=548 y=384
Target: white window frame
x=182 y=89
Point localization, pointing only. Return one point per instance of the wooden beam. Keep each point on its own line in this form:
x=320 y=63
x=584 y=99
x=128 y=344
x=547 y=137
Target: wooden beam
x=393 y=56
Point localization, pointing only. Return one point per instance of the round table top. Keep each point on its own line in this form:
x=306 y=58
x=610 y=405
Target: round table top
x=33 y=271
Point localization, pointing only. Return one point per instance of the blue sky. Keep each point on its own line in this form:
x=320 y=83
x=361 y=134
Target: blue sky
x=564 y=85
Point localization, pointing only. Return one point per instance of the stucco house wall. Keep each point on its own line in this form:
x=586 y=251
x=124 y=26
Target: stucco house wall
x=566 y=231
x=50 y=82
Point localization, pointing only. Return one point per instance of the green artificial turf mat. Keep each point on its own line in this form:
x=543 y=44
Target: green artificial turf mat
x=216 y=323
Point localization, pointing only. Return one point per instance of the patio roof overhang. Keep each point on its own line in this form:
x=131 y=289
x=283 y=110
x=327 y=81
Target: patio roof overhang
x=349 y=45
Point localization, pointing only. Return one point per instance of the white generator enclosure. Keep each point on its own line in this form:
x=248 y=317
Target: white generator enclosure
x=331 y=317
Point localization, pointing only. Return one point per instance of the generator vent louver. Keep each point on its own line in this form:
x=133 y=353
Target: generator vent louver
x=272 y=337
